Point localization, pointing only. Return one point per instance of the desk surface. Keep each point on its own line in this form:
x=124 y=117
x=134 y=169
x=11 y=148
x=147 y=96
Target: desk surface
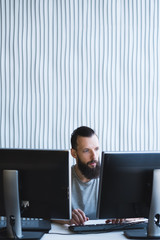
x=61 y=232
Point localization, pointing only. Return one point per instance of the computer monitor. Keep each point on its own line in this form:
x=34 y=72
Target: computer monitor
x=34 y=184
x=130 y=188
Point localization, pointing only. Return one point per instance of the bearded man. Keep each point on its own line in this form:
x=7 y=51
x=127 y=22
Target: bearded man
x=85 y=177
x=85 y=174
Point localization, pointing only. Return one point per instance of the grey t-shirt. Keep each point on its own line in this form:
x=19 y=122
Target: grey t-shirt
x=85 y=195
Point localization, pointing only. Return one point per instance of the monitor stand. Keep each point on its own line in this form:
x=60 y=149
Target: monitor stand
x=153 y=229
x=12 y=208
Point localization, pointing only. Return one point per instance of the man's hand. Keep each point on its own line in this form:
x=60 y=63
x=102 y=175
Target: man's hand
x=78 y=217
x=114 y=221
x=126 y=220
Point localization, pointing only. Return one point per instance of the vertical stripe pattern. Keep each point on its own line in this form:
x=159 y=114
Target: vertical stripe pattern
x=80 y=62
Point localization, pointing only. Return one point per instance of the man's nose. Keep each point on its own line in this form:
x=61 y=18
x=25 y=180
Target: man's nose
x=93 y=154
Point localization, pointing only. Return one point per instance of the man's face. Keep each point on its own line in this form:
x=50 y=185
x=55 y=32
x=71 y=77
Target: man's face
x=87 y=156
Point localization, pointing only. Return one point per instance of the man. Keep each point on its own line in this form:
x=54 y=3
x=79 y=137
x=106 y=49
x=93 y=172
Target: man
x=85 y=174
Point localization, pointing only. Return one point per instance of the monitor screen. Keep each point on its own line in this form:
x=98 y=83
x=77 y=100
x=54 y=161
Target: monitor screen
x=43 y=179
x=126 y=184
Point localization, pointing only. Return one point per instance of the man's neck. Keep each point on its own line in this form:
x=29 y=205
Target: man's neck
x=80 y=175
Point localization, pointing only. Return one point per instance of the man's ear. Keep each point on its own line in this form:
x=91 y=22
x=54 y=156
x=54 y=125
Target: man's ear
x=73 y=153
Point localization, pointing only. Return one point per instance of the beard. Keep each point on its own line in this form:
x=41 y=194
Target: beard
x=89 y=173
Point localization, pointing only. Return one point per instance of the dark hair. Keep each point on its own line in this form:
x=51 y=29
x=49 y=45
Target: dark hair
x=82 y=131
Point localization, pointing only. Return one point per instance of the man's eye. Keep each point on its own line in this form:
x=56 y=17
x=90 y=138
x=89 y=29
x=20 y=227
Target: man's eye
x=85 y=150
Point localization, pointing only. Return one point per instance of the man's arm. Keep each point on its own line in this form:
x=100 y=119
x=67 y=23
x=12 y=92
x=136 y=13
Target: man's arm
x=78 y=218
x=124 y=220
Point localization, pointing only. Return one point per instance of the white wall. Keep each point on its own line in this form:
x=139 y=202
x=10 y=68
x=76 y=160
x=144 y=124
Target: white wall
x=66 y=63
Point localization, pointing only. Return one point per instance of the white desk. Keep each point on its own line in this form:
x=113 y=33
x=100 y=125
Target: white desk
x=58 y=229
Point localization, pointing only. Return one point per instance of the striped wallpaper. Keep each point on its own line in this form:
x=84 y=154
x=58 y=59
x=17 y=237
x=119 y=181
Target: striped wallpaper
x=66 y=63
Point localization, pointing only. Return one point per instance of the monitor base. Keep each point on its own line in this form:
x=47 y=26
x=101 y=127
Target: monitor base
x=25 y=235
x=139 y=234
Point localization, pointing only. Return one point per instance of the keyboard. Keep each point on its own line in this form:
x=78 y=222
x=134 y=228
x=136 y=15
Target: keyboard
x=98 y=228
x=31 y=225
